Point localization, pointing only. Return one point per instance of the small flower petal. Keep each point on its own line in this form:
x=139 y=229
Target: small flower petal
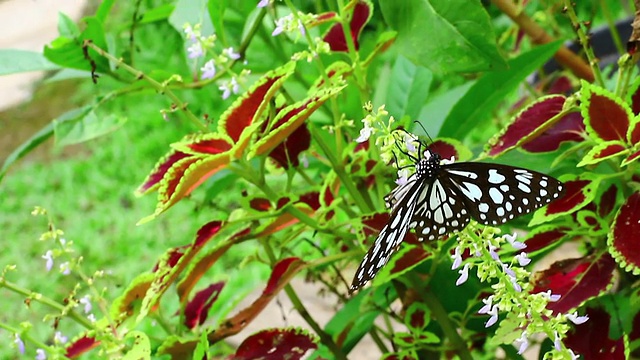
x=208 y=70
x=576 y=319
x=19 y=343
x=457 y=258
x=58 y=338
x=524 y=343
x=494 y=316
x=229 y=52
x=41 y=354
x=48 y=256
x=195 y=50
x=87 y=304
x=522 y=259
x=464 y=275
x=556 y=341
x=263 y=3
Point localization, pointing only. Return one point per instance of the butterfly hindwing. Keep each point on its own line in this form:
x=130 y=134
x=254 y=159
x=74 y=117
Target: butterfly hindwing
x=495 y=193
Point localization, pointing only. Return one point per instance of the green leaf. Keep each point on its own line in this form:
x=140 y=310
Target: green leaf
x=159 y=13
x=67 y=27
x=408 y=90
x=444 y=35
x=83 y=124
x=141 y=348
x=103 y=9
x=433 y=114
x=26 y=147
x=191 y=12
x=17 y=61
x=476 y=106
x=216 y=10
x=67 y=52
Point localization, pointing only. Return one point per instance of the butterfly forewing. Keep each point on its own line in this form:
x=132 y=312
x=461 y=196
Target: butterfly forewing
x=495 y=194
x=390 y=236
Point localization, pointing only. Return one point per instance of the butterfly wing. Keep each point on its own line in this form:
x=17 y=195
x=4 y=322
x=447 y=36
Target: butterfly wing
x=439 y=210
x=496 y=193
x=403 y=202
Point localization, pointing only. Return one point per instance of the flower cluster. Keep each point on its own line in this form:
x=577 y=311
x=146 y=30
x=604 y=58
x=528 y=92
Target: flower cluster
x=294 y=24
x=526 y=313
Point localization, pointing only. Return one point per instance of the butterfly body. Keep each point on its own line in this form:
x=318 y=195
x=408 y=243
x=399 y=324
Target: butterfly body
x=439 y=199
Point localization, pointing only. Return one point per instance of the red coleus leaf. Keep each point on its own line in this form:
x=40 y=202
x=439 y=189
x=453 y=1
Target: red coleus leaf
x=197 y=310
x=606 y=116
x=278 y=272
x=359 y=17
x=575 y=280
x=631 y=158
x=579 y=191
x=287 y=152
x=591 y=339
x=204 y=144
x=603 y=151
x=417 y=317
x=81 y=346
x=152 y=182
x=569 y=128
x=373 y=224
x=634 y=96
x=607 y=201
x=290 y=344
x=633 y=135
x=289 y=119
x=406 y=258
x=528 y=124
x=247 y=109
x=448 y=148
x=544 y=237
x=623 y=237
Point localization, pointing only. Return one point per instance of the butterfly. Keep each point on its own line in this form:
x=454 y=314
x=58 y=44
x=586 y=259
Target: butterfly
x=440 y=198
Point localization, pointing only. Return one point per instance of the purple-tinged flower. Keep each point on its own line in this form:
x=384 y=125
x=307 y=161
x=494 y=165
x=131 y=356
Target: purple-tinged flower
x=576 y=319
x=48 y=256
x=523 y=260
x=464 y=275
x=403 y=177
x=195 y=50
x=87 y=304
x=549 y=296
x=230 y=53
x=41 y=355
x=58 y=338
x=511 y=239
x=65 y=268
x=494 y=316
x=457 y=258
x=191 y=35
x=263 y=3
x=228 y=87
x=409 y=143
x=280 y=23
x=365 y=133
x=208 y=70
x=515 y=284
x=488 y=302
x=494 y=254
x=556 y=341
x=19 y=343
x=303 y=31
x=523 y=343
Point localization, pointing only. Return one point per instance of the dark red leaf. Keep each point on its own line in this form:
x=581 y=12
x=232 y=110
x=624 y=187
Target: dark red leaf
x=575 y=280
x=561 y=85
x=335 y=36
x=210 y=146
x=260 y=204
x=161 y=169
x=175 y=254
x=607 y=119
x=206 y=232
x=609 y=150
x=409 y=259
x=569 y=128
x=287 y=152
x=633 y=136
x=631 y=158
x=543 y=237
x=197 y=310
x=275 y=344
x=445 y=149
x=607 y=201
x=591 y=339
x=281 y=267
x=624 y=236
x=635 y=101
x=81 y=346
x=527 y=123
x=373 y=224
x=574 y=196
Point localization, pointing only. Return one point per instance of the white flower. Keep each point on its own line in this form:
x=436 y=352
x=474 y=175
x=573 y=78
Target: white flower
x=191 y=35
x=48 y=256
x=65 y=268
x=228 y=87
x=524 y=343
x=58 y=338
x=208 y=70
x=263 y=3
x=195 y=50
x=87 y=304
x=512 y=240
x=464 y=275
x=19 y=343
x=230 y=53
x=457 y=258
x=410 y=143
x=522 y=258
x=576 y=319
x=403 y=177
x=494 y=316
x=41 y=355
x=280 y=23
x=556 y=342
x=365 y=133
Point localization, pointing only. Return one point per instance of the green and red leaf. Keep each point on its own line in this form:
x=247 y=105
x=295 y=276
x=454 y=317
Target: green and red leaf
x=287 y=152
x=591 y=339
x=289 y=343
x=631 y=158
x=608 y=201
x=544 y=238
x=204 y=144
x=575 y=280
x=81 y=346
x=448 y=148
x=289 y=119
x=579 y=191
x=197 y=310
x=359 y=17
x=132 y=297
x=623 y=236
x=606 y=116
x=569 y=128
x=247 y=109
x=603 y=151
x=530 y=123
x=406 y=258
x=153 y=180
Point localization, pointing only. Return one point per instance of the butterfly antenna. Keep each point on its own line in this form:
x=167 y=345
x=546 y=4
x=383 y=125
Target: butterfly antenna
x=423 y=129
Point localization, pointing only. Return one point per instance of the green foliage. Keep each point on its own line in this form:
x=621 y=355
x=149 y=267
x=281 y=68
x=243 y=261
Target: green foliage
x=271 y=135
